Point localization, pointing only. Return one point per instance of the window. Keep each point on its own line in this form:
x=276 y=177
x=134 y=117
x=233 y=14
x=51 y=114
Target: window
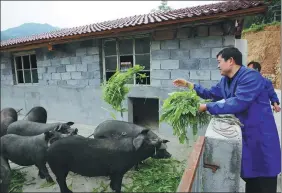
x=26 y=69
x=125 y=53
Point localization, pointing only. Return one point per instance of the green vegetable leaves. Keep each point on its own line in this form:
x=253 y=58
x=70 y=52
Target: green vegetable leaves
x=180 y=110
x=114 y=90
x=156 y=175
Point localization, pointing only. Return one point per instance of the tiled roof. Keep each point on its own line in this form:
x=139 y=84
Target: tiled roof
x=151 y=18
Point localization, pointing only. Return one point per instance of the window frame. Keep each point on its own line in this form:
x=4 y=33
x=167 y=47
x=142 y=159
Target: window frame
x=116 y=39
x=22 y=54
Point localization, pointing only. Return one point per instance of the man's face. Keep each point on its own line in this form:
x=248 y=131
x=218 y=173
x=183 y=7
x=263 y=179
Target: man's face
x=225 y=67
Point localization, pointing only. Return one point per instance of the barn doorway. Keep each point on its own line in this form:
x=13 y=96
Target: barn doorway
x=144 y=112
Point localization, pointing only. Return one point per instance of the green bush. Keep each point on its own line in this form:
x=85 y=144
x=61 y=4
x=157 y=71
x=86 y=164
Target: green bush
x=260 y=27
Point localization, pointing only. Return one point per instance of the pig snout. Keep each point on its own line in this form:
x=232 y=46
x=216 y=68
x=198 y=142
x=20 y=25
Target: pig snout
x=161 y=154
x=74 y=132
x=167 y=154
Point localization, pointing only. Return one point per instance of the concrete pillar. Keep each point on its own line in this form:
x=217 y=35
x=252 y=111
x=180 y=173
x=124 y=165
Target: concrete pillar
x=242 y=45
x=223 y=149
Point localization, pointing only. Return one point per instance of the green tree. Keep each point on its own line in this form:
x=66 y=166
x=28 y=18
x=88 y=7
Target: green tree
x=274 y=7
x=162 y=7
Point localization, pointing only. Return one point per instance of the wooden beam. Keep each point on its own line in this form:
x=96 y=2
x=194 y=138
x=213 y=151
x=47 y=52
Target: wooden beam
x=42 y=43
x=24 y=48
x=50 y=47
x=193 y=162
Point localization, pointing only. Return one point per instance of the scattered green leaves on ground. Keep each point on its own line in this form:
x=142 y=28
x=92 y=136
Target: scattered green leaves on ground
x=17 y=180
x=114 y=90
x=47 y=184
x=102 y=188
x=260 y=27
x=180 y=110
x=156 y=175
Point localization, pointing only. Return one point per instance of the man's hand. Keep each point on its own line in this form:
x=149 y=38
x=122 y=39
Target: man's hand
x=276 y=108
x=181 y=82
x=202 y=107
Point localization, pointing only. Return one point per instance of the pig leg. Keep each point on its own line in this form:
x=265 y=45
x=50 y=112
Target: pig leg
x=61 y=179
x=44 y=171
x=41 y=175
x=116 y=181
x=61 y=174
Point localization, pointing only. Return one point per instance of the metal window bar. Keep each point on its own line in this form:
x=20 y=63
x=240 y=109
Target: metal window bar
x=31 y=78
x=23 y=70
x=118 y=54
x=134 y=77
x=117 y=51
x=16 y=72
x=104 y=63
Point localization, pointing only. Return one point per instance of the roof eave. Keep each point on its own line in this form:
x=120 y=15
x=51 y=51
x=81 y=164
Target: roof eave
x=47 y=42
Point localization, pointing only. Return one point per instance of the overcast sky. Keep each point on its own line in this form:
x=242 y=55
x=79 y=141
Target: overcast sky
x=75 y=13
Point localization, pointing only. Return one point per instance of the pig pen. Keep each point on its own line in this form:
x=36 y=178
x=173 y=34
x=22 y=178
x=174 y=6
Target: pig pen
x=77 y=183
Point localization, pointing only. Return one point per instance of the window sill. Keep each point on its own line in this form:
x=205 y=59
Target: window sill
x=28 y=84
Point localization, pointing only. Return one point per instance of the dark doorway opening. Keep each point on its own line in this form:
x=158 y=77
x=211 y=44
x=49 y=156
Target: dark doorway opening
x=144 y=112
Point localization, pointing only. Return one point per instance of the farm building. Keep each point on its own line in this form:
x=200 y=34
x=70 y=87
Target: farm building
x=62 y=70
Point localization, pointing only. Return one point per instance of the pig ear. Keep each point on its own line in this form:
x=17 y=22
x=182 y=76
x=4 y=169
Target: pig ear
x=145 y=131
x=137 y=142
x=70 y=123
x=58 y=128
x=163 y=146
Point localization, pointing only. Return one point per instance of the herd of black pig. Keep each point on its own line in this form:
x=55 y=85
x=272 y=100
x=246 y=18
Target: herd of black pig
x=115 y=148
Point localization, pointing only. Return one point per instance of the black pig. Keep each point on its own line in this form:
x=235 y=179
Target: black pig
x=99 y=157
x=8 y=116
x=118 y=129
x=5 y=175
x=29 y=128
x=36 y=114
x=30 y=150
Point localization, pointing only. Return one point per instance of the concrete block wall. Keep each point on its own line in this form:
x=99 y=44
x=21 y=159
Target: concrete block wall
x=6 y=69
x=74 y=64
x=190 y=54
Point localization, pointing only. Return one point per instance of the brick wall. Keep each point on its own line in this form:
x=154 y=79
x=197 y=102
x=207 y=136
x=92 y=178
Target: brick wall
x=190 y=54
x=76 y=63
x=6 y=69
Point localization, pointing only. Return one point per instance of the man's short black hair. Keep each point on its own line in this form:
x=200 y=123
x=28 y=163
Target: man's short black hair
x=231 y=52
x=256 y=65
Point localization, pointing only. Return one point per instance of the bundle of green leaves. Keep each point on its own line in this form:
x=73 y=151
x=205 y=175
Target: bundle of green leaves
x=181 y=111
x=114 y=90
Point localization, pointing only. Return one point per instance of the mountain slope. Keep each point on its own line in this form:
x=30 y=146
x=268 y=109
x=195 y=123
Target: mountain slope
x=26 y=29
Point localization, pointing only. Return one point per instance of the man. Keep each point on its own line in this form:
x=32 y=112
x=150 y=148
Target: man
x=246 y=97
x=271 y=93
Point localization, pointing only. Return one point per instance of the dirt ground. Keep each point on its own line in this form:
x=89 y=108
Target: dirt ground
x=265 y=47
x=84 y=184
